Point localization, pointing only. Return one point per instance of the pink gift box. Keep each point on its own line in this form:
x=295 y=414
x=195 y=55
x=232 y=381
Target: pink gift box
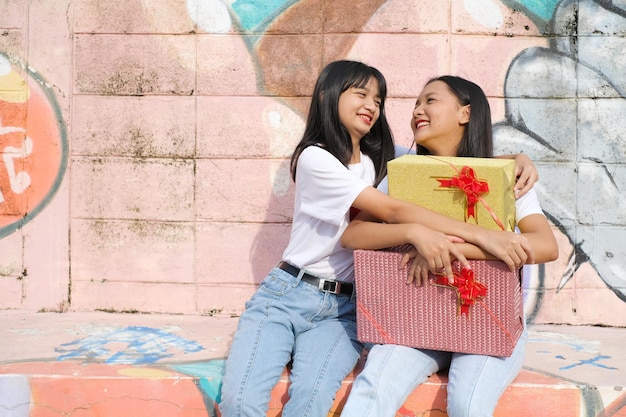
x=429 y=316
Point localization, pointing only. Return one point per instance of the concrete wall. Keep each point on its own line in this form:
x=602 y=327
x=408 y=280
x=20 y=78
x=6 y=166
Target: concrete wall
x=145 y=142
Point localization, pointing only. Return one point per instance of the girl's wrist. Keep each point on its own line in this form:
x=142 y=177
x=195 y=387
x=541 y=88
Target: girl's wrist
x=481 y=237
x=412 y=232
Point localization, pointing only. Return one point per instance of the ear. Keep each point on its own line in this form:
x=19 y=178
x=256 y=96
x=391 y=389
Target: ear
x=464 y=114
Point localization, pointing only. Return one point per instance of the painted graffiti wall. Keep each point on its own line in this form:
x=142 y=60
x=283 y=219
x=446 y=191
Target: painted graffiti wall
x=145 y=143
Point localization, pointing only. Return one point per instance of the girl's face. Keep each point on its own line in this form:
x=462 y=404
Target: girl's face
x=359 y=109
x=439 y=120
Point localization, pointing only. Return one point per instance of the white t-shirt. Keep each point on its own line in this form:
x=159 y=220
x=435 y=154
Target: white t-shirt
x=325 y=191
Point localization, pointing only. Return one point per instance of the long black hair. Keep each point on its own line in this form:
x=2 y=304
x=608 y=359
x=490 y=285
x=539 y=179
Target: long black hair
x=477 y=138
x=323 y=127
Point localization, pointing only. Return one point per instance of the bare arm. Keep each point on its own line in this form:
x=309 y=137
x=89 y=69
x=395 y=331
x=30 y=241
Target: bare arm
x=436 y=249
x=525 y=172
x=537 y=230
x=509 y=247
x=370 y=234
x=534 y=228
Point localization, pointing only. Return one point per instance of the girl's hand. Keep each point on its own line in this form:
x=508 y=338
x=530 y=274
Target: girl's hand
x=526 y=174
x=437 y=249
x=512 y=248
x=418 y=271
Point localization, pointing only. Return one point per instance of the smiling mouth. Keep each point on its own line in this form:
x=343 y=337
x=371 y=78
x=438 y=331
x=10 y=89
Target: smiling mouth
x=366 y=118
x=421 y=123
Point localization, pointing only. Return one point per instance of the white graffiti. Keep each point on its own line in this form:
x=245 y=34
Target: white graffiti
x=565 y=107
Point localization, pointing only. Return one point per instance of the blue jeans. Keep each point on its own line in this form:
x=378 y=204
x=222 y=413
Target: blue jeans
x=290 y=320
x=392 y=372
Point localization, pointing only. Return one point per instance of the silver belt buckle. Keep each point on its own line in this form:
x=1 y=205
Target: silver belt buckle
x=336 y=288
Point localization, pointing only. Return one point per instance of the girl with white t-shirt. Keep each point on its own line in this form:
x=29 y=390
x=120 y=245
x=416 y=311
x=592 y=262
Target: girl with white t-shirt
x=304 y=311
x=451 y=118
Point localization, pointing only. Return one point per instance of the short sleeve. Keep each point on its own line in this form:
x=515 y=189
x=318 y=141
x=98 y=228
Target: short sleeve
x=327 y=187
x=526 y=205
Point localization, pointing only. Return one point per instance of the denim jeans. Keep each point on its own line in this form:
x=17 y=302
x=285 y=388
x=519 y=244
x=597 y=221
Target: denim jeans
x=290 y=320
x=392 y=372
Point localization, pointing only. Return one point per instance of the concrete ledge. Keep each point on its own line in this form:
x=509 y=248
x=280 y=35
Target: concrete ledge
x=531 y=394
x=100 y=364
x=57 y=389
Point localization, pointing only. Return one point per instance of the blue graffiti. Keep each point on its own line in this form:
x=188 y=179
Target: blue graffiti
x=130 y=345
x=208 y=373
x=543 y=9
x=209 y=381
x=257 y=15
x=593 y=361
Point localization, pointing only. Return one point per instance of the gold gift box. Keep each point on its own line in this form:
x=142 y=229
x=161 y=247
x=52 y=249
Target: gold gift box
x=433 y=182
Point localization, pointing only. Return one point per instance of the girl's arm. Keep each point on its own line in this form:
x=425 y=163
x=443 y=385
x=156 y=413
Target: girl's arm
x=370 y=234
x=525 y=172
x=536 y=230
x=509 y=247
x=534 y=227
x=436 y=249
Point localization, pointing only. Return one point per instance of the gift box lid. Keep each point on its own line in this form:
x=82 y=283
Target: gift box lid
x=474 y=190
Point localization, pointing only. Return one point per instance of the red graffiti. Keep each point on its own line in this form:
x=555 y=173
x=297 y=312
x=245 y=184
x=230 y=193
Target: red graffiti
x=32 y=146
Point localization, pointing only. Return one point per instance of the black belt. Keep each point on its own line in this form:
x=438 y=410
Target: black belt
x=325 y=285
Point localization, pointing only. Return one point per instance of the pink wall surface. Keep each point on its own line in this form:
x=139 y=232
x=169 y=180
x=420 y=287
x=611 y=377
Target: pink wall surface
x=145 y=144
